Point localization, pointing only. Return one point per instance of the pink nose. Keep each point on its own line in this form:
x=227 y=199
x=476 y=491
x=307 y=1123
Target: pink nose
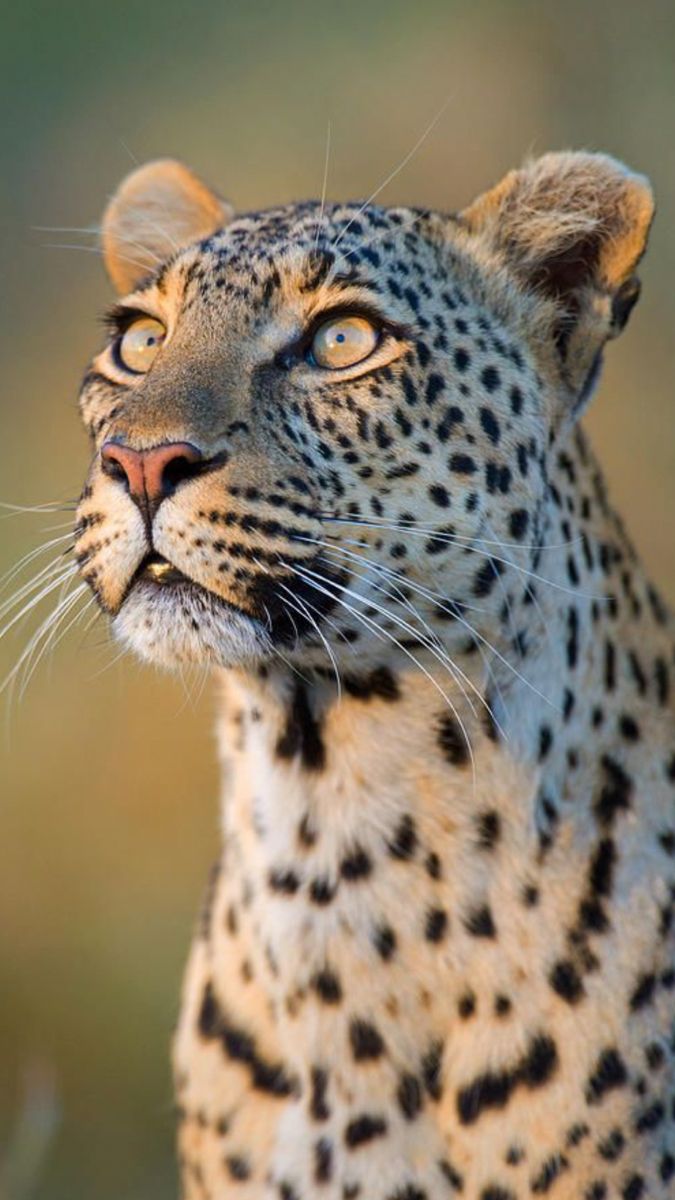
x=151 y=475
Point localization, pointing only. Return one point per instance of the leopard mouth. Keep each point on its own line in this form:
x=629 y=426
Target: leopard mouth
x=158 y=570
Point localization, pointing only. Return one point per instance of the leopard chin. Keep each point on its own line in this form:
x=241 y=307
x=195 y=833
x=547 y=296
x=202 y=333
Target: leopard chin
x=176 y=623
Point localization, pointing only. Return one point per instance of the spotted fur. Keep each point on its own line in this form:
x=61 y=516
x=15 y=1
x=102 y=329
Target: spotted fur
x=436 y=956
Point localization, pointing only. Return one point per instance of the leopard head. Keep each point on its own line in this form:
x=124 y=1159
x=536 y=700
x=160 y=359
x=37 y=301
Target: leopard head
x=304 y=420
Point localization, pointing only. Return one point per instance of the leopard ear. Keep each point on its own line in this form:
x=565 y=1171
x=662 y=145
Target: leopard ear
x=572 y=226
x=159 y=208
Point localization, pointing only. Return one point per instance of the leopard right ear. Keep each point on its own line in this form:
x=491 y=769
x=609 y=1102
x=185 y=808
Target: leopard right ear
x=158 y=209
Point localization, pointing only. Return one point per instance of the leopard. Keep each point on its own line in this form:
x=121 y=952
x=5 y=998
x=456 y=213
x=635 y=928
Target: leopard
x=337 y=461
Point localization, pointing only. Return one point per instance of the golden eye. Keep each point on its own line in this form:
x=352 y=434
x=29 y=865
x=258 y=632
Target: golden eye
x=343 y=342
x=140 y=344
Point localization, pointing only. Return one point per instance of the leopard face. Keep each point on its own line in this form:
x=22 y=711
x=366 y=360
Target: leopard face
x=305 y=417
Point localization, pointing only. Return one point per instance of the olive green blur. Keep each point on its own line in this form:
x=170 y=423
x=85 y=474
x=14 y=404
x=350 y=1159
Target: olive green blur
x=108 y=817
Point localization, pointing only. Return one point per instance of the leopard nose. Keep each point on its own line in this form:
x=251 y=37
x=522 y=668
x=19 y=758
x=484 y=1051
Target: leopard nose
x=151 y=475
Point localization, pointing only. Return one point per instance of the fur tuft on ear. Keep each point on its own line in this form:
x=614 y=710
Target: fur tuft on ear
x=158 y=209
x=566 y=220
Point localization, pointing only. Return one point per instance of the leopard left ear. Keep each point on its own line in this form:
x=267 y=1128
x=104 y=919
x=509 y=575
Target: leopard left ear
x=159 y=208
x=571 y=227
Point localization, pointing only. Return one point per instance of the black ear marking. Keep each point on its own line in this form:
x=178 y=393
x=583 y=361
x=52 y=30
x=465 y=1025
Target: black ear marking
x=624 y=302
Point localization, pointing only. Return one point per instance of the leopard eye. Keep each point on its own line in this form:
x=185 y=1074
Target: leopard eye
x=343 y=342
x=140 y=343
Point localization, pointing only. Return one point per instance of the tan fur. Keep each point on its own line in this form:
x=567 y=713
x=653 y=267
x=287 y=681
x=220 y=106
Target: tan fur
x=436 y=957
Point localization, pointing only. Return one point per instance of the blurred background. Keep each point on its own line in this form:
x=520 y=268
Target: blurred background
x=108 y=817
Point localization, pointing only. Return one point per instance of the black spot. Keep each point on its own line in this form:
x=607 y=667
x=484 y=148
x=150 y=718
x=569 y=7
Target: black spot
x=651 y=1118
x=381 y=683
x=323 y=1160
x=494 y=1089
x=634 y=1188
x=612 y=1147
x=490 y=379
x=545 y=741
x=489 y=829
x=463 y=464
x=302 y=734
x=357 y=865
x=451 y=1175
x=404 y=842
x=284 y=881
x=552 y=1168
x=409 y=1096
x=452 y=741
x=609 y=1073
x=322 y=891
x=435 y=385
x=565 y=980
x=239 y=1168
x=431 y=1070
x=318 y=1106
x=440 y=495
x=239 y=1045
x=629 y=728
x=503 y=1005
x=490 y=425
x=643 y=992
x=433 y=865
x=385 y=942
x=466 y=1005
x=518 y=523
x=480 y=922
x=615 y=794
x=327 y=986
x=364 y=1129
x=436 y=925
x=366 y=1041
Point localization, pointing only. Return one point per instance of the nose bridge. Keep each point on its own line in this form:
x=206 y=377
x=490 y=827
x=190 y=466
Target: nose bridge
x=193 y=402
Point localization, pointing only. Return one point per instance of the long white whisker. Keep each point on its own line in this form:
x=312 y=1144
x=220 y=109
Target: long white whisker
x=54 y=617
x=51 y=507
x=459 y=538
x=52 y=640
x=30 y=556
x=472 y=549
x=302 y=609
x=384 y=634
x=49 y=587
x=396 y=582
x=324 y=188
x=442 y=603
x=397 y=170
x=56 y=564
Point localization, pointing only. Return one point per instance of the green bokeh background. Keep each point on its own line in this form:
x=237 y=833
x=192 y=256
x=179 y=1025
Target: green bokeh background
x=108 y=816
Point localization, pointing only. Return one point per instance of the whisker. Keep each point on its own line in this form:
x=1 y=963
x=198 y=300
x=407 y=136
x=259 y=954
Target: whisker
x=49 y=587
x=384 y=634
x=432 y=642
x=435 y=649
x=397 y=170
x=459 y=538
x=30 y=556
x=52 y=640
x=441 y=601
x=472 y=549
x=55 y=506
x=324 y=188
x=43 y=630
